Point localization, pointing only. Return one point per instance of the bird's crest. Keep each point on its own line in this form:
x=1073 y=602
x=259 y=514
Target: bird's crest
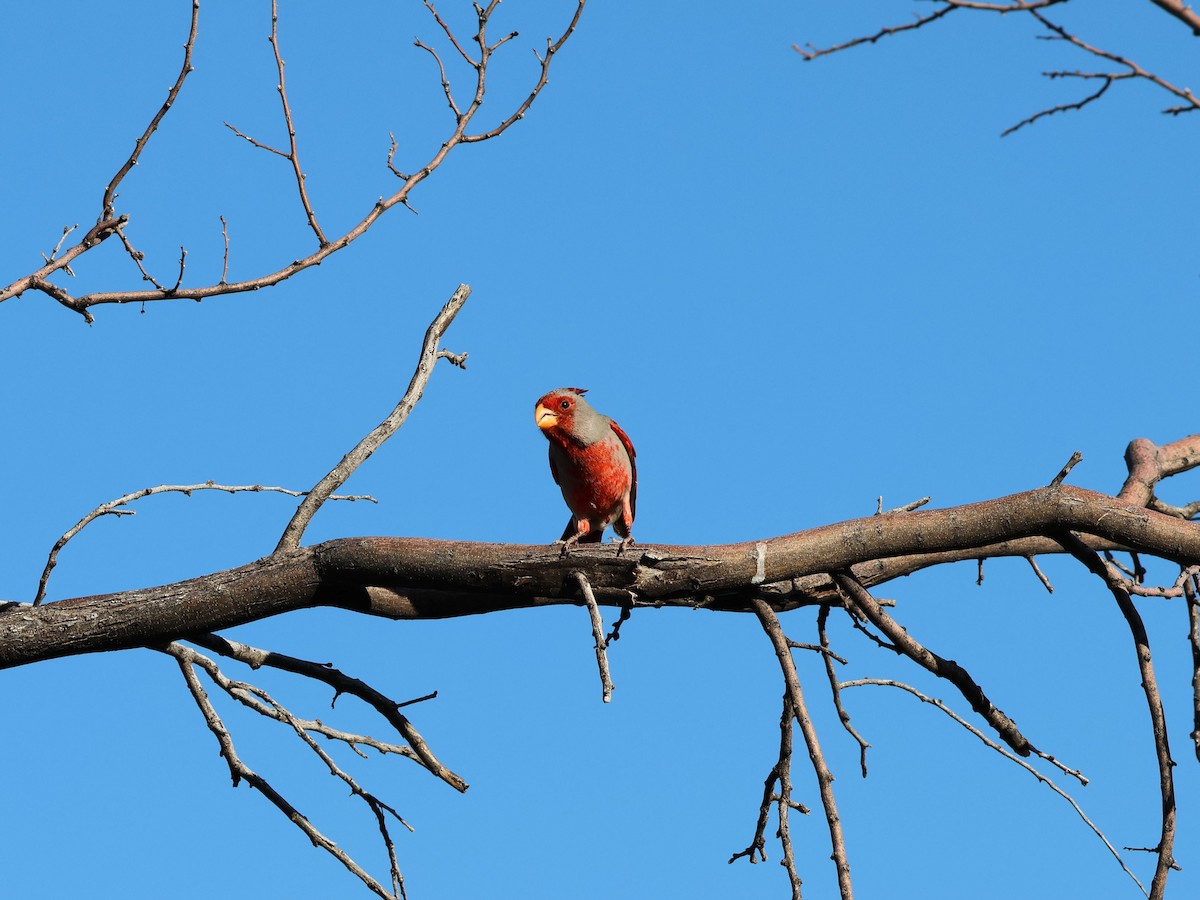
x=579 y=391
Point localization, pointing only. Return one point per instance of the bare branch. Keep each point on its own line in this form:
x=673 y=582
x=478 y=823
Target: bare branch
x=337 y=476
x=1158 y=721
x=225 y=259
x=552 y=47
x=137 y=256
x=1037 y=570
x=933 y=701
x=1193 y=609
x=781 y=774
x=38 y=280
x=835 y=689
x=239 y=771
x=1075 y=459
x=809 y=52
x=113 y=508
x=293 y=153
x=770 y=624
x=589 y=597
x=110 y=192
x=388 y=708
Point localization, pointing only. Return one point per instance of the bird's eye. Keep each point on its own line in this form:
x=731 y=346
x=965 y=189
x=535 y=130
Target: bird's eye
x=564 y=404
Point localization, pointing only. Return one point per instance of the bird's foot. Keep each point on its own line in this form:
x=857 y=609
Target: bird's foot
x=568 y=545
x=624 y=544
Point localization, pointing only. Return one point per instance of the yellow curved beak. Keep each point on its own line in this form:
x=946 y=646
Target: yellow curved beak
x=544 y=418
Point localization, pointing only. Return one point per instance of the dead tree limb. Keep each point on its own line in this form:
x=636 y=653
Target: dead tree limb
x=430 y=354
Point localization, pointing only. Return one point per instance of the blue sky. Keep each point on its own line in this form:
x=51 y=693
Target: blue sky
x=798 y=286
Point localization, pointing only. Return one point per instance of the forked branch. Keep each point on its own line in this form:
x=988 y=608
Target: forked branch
x=459 y=134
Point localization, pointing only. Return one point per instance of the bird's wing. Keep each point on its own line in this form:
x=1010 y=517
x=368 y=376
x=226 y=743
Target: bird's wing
x=628 y=445
x=553 y=467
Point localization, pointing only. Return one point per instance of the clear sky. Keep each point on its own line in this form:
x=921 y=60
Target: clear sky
x=798 y=286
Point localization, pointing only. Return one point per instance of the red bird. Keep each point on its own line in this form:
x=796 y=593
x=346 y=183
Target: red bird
x=592 y=460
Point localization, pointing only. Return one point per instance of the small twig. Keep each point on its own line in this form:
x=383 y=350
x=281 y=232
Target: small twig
x=907 y=507
x=225 y=259
x=293 y=153
x=179 y=280
x=374 y=440
x=110 y=192
x=112 y=508
x=1193 y=609
x=1062 y=107
x=1037 y=570
x=1075 y=459
x=137 y=256
x=442 y=74
x=933 y=701
x=67 y=229
x=979 y=577
x=450 y=34
x=589 y=597
x=615 y=634
x=809 y=52
x=835 y=689
x=259 y=144
x=391 y=157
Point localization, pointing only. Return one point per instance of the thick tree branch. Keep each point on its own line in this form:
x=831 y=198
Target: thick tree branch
x=417 y=578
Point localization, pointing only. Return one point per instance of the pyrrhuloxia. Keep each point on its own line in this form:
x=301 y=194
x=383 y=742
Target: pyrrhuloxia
x=592 y=459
